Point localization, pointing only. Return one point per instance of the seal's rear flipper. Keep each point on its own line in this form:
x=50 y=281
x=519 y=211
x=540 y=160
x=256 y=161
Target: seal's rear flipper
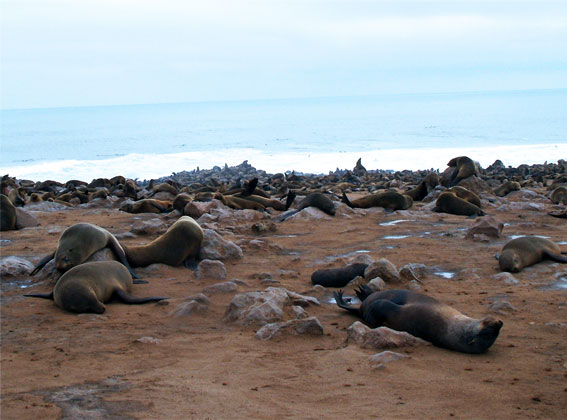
x=126 y=298
x=139 y=282
x=41 y=295
x=250 y=186
x=190 y=263
x=42 y=263
x=342 y=304
x=363 y=292
x=556 y=257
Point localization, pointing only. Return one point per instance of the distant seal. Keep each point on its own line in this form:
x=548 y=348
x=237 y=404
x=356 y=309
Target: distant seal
x=426 y=185
x=559 y=195
x=338 y=277
x=7 y=214
x=448 y=202
x=389 y=200
x=78 y=242
x=238 y=203
x=180 y=201
x=465 y=167
x=424 y=317
x=86 y=287
x=506 y=188
x=316 y=199
x=526 y=251
x=268 y=202
x=17 y=196
x=179 y=245
x=148 y=205
x=466 y=195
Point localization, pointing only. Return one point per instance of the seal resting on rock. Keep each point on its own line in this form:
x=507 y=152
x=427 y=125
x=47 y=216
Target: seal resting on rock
x=526 y=251
x=86 y=287
x=424 y=317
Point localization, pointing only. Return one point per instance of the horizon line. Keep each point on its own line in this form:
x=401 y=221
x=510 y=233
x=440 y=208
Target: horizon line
x=284 y=99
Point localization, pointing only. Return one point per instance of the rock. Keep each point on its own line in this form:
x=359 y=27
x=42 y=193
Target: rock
x=362 y=258
x=25 y=219
x=486 y=225
x=501 y=306
x=383 y=269
x=302 y=300
x=299 y=312
x=310 y=326
x=515 y=205
x=377 y=284
x=196 y=209
x=264 y=227
x=215 y=247
x=380 y=338
x=15 y=266
x=474 y=184
x=257 y=308
x=226 y=287
x=507 y=278
x=414 y=285
x=199 y=303
x=152 y=227
x=380 y=359
x=47 y=206
x=210 y=269
x=310 y=213
x=467 y=274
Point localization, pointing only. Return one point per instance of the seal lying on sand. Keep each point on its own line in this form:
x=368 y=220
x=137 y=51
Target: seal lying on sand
x=526 y=251
x=86 y=287
x=78 y=242
x=179 y=245
x=338 y=277
x=424 y=317
x=390 y=200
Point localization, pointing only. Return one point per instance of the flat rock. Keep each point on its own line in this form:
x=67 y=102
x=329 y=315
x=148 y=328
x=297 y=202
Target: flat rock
x=506 y=278
x=486 y=225
x=15 y=266
x=25 y=219
x=310 y=326
x=380 y=359
x=380 y=338
x=210 y=269
x=225 y=287
x=257 y=308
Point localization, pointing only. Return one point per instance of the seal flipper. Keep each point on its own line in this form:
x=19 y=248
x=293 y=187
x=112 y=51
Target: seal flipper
x=289 y=200
x=345 y=200
x=556 y=257
x=342 y=304
x=250 y=186
x=42 y=263
x=41 y=295
x=126 y=298
x=190 y=263
x=287 y=215
x=119 y=252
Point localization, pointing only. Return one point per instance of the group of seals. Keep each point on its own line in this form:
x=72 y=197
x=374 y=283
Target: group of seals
x=86 y=287
x=424 y=317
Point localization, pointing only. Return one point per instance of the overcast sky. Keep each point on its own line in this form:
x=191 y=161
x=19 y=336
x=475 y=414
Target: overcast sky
x=98 y=52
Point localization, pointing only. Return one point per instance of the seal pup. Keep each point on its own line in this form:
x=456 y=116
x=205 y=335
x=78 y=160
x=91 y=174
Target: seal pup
x=389 y=200
x=424 y=317
x=86 y=287
x=7 y=214
x=338 y=277
x=448 y=202
x=526 y=251
x=179 y=245
x=78 y=242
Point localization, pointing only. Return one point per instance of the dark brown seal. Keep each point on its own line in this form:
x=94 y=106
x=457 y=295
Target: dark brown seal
x=427 y=185
x=526 y=251
x=506 y=188
x=86 y=287
x=78 y=242
x=448 y=202
x=179 y=245
x=424 y=317
x=147 y=205
x=7 y=214
x=389 y=200
x=559 y=195
x=465 y=167
x=338 y=277
x=316 y=199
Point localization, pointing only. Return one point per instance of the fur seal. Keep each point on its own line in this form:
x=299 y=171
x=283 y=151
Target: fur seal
x=390 y=200
x=179 y=245
x=86 y=287
x=418 y=193
x=559 y=195
x=424 y=317
x=338 y=277
x=448 y=202
x=506 y=188
x=17 y=196
x=78 y=242
x=466 y=195
x=526 y=251
x=268 y=202
x=465 y=167
x=316 y=199
x=180 y=201
x=148 y=205
x=7 y=214
x=238 y=203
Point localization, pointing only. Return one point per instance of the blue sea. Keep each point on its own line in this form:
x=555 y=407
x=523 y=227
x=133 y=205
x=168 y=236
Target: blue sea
x=410 y=131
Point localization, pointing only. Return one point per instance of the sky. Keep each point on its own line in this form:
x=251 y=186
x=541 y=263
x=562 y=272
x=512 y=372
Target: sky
x=104 y=52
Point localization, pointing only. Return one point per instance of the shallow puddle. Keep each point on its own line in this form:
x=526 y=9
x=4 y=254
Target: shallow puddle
x=396 y=236
x=521 y=236
x=445 y=274
x=5 y=242
x=395 y=222
x=351 y=300
x=559 y=284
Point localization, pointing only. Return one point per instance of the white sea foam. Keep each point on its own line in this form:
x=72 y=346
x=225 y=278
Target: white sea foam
x=147 y=166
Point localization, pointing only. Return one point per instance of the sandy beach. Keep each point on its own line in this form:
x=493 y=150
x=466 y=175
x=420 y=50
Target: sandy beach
x=157 y=361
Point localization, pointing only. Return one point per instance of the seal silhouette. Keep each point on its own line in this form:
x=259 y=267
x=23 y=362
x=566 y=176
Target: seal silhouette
x=87 y=287
x=338 y=277
x=7 y=214
x=78 y=242
x=528 y=250
x=424 y=317
x=448 y=202
x=389 y=200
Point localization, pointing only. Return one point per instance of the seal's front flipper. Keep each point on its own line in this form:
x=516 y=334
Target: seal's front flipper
x=41 y=295
x=42 y=263
x=121 y=255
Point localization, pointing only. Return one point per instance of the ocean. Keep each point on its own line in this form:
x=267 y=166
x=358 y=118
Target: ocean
x=318 y=135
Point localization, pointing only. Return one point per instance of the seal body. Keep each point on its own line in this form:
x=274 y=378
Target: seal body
x=7 y=214
x=424 y=317
x=559 y=195
x=180 y=244
x=526 y=251
x=448 y=202
x=338 y=277
x=148 y=205
x=465 y=167
x=418 y=193
x=466 y=195
x=238 y=203
x=390 y=200
x=86 y=287
x=506 y=188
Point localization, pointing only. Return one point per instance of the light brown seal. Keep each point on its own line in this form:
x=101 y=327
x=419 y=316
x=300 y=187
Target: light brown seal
x=7 y=214
x=430 y=181
x=466 y=195
x=389 y=200
x=526 y=251
x=179 y=245
x=78 y=242
x=268 y=202
x=86 y=287
x=238 y=203
x=424 y=317
x=506 y=188
x=448 y=202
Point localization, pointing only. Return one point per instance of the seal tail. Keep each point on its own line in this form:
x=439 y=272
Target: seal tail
x=287 y=215
x=363 y=292
x=345 y=200
x=41 y=295
x=290 y=200
x=342 y=304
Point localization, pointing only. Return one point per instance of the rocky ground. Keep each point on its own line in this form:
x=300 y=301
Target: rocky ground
x=195 y=356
